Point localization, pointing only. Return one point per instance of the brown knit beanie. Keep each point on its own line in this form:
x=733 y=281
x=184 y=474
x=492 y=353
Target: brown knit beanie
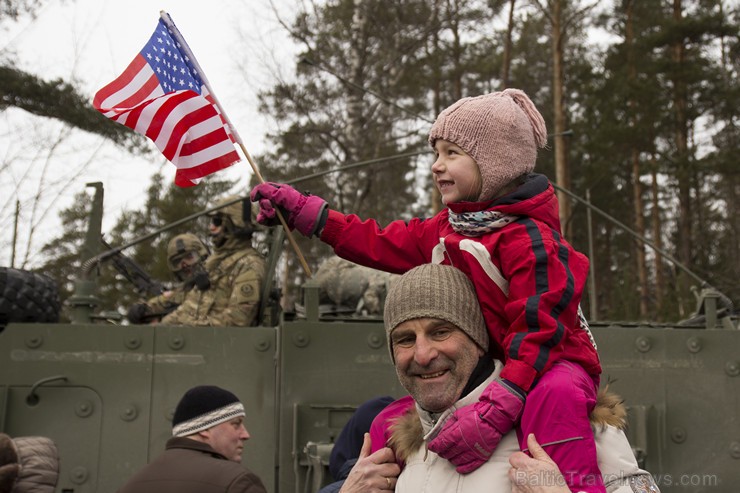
x=435 y=291
x=501 y=131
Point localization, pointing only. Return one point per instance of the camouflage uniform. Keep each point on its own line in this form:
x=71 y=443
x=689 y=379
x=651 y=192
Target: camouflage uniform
x=154 y=308
x=166 y=301
x=236 y=272
x=236 y=277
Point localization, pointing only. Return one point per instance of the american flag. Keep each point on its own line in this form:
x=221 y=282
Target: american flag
x=162 y=96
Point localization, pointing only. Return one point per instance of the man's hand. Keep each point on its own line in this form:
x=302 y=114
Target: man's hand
x=376 y=472
x=536 y=474
x=469 y=437
x=303 y=212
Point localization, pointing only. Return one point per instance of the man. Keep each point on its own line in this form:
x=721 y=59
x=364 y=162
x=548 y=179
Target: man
x=185 y=257
x=439 y=346
x=235 y=272
x=205 y=452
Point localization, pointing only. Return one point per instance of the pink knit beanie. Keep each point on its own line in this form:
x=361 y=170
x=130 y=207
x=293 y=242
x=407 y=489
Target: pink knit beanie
x=501 y=131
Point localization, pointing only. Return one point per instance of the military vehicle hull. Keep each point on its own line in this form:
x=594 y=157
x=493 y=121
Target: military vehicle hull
x=106 y=394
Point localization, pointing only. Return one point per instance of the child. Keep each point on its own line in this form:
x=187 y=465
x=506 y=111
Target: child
x=501 y=228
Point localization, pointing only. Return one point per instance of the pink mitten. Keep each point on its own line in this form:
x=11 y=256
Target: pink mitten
x=303 y=212
x=471 y=434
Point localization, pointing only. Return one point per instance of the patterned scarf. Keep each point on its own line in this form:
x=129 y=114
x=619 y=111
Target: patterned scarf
x=479 y=223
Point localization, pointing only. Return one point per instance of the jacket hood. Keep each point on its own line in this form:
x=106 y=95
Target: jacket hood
x=535 y=198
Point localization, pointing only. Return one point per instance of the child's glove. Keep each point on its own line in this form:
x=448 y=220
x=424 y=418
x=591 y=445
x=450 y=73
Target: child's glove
x=303 y=212
x=471 y=434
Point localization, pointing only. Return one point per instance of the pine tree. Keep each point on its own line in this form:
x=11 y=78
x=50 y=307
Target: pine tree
x=356 y=98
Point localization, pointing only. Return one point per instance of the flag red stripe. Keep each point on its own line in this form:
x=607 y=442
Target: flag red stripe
x=141 y=94
x=185 y=125
x=160 y=118
x=184 y=177
x=132 y=119
x=226 y=125
x=203 y=142
x=122 y=81
x=182 y=126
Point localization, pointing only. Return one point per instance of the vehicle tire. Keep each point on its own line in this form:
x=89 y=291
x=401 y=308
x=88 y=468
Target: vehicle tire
x=27 y=296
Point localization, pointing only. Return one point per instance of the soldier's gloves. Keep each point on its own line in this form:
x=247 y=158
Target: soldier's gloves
x=137 y=313
x=201 y=280
x=302 y=212
x=471 y=434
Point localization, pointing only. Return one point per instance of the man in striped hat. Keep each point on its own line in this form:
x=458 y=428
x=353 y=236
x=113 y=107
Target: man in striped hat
x=205 y=452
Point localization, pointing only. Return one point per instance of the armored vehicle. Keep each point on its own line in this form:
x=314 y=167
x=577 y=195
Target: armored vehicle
x=106 y=393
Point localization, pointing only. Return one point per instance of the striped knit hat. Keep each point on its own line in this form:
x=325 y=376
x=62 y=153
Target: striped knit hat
x=435 y=291
x=501 y=131
x=204 y=407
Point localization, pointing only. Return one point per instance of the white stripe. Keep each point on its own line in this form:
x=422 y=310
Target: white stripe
x=199 y=158
x=479 y=252
x=115 y=113
x=128 y=90
x=221 y=149
x=178 y=113
x=146 y=116
x=438 y=252
x=209 y=419
x=205 y=127
x=205 y=92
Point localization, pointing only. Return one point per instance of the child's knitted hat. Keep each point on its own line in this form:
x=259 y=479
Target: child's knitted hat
x=435 y=291
x=204 y=407
x=501 y=131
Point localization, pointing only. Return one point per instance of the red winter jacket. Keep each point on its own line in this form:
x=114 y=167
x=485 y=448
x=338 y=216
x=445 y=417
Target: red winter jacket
x=529 y=280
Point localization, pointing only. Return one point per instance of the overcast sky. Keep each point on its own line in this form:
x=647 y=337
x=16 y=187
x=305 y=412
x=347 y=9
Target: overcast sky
x=238 y=44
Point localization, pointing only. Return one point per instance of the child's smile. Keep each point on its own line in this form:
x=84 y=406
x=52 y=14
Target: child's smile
x=455 y=173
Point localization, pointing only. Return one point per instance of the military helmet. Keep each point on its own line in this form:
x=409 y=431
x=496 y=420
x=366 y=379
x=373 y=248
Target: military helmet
x=182 y=245
x=239 y=212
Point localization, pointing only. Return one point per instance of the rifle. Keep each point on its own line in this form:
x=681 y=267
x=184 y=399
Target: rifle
x=143 y=282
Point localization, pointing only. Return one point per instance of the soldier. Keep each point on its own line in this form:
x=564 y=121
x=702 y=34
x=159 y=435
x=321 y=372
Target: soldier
x=235 y=273
x=186 y=254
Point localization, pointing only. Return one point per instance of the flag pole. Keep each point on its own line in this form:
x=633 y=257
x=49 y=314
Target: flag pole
x=186 y=49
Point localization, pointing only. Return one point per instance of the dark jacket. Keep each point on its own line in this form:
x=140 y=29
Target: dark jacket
x=189 y=466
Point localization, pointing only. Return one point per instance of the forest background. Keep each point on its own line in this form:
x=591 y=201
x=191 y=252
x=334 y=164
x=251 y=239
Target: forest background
x=643 y=123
